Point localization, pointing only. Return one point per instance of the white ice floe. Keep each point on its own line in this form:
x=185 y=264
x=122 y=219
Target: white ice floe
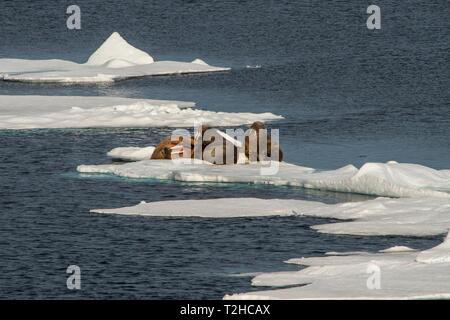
x=381 y=216
x=411 y=217
x=389 y=274
x=31 y=112
x=397 y=249
x=438 y=254
x=212 y=208
x=114 y=60
x=422 y=210
x=131 y=153
x=382 y=179
x=138 y=154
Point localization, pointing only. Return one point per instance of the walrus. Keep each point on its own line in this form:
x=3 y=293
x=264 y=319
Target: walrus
x=164 y=150
x=255 y=128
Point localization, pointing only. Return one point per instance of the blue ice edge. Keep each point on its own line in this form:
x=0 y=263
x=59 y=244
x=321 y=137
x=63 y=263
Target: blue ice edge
x=326 y=196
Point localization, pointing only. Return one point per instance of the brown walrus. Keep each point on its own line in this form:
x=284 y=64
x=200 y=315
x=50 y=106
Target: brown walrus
x=163 y=150
x=256 y=127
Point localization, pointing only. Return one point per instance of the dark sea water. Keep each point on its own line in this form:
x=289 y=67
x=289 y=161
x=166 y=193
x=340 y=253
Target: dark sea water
x=348 y=95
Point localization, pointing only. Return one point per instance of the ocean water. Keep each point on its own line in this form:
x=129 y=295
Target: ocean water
x=348 y=95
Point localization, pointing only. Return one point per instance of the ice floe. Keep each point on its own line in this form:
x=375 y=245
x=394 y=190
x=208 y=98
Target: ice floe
x=390 y=179
x=31 y=112
x=388 y=274
x=438 y=254
x=114 y=60
x=381 y=216
x=410 y=217
x=131 y=153
x=420 y=207
x=211 y=208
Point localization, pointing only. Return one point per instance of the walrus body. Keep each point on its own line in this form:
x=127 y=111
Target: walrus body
x=163 y=151
x=255 y=131
x=215 y=155
x=218 y=155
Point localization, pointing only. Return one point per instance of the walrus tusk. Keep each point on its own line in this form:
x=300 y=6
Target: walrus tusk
x=230 y=138
x=177 y=149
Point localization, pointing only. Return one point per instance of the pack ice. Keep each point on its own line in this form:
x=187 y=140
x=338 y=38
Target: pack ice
x=415 y=199
x=114 y=60
x=416 y=202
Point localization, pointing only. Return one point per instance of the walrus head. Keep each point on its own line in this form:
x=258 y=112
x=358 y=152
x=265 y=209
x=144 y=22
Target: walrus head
x=199 y=134
x=257 y=125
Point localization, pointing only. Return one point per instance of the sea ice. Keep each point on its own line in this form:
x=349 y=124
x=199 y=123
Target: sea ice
x=31 y=112
x=114 y=60
x=212 y=208
x=131 y=153
x=438 y=254
x=397 y=274
x=409 y=217
x=390 y=179
x=115 y=48
x=421 y=209
x=381 y=216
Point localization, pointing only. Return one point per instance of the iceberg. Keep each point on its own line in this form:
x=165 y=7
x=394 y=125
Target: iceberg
x=114 y=60
x=403 y=274
x=390 y=179
x=35 y=112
